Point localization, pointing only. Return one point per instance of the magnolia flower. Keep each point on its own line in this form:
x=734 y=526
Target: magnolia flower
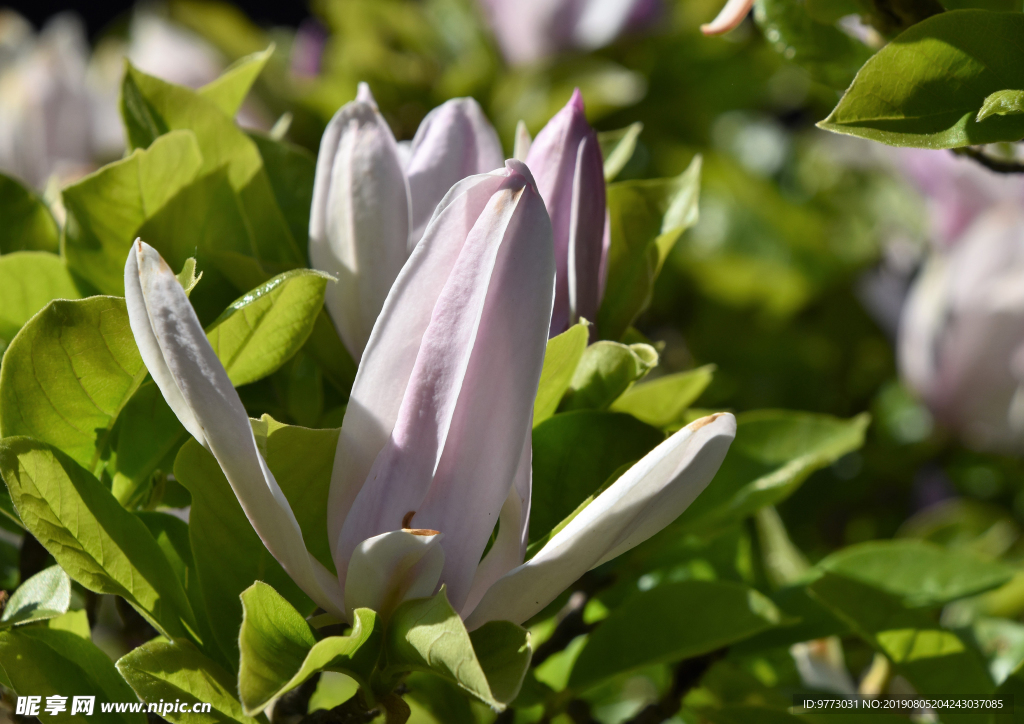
x=961 y=335
x=566 y=160
x=435 y=445
x=729 y=18
x=533 y=30
x=371 y=204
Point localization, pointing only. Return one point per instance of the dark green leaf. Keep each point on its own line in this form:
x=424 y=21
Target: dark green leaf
x=148 y=437
x=606 y=370
x=906 y=95
x=574 y=453
x=662 y=402
x=45 y=595
x=671 y=622
x=291 y=170
x=172 y=671
x=28 y=223
x=561 y=358
x=67 y=375
x=647 y=218
x=279 y=650
x=100 y=544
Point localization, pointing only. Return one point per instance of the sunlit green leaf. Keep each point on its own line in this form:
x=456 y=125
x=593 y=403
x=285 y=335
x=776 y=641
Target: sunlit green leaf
x=561 y=358
x=604 y=372
x=1002 y=103
x=229 y=90
x=663 y=401
x=617 y=148
x=45 y=595
x=28 y=281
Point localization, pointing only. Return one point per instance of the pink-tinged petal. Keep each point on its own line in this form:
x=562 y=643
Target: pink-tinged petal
x=529 y=31
x=553 y=160
x=189 y=373
x=391 y=567
x=453 y=142
x=509 y=548
x=606 y=243
x=360 y=219
x=588 y=215
x=729 y=18
x=523 y=142
x=451 y=460
x=647 y=497
x=391 y=352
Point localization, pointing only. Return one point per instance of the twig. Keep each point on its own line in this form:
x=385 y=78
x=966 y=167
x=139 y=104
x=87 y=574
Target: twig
x=992 y=164
x=687 y=675
x=294 y=705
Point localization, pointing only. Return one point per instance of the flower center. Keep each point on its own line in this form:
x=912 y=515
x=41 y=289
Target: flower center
x=407 y=522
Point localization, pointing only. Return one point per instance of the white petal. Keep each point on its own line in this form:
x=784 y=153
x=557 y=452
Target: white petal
x=730 y=17
x=360 y=218
x=392 y=567
x=193 y=376
x=649 y=496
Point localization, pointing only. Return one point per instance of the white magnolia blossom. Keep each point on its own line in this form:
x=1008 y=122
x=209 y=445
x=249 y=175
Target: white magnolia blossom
x=435 y=447
x=961 y=336
x=372 y=198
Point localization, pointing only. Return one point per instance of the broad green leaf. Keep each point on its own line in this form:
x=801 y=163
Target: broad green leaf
x=148 y=437
x=326 y=348
x=907 y=94
x=617 y=148
x=67 y=375
x=441 y=698
x=827 y=53
x=263 y=329
x=936 y=661
x=40 y=661
x=150 y=106
x=77 y=622
x=229 y=90
x=574 y=453
x=605 y=371
x=663 y=401
x=427 y=635
x=291 y=170
x=774 y=452
x=917 y=572
x=279 y=650
x=228 y=554
x=45 y=595
x=29 y=280
x=28 y=223
x=561 y=358
x=100 y=544
x=108 y=209
x=170 y=671
x=647 y=219
x=1002 y=103
x=670 y=622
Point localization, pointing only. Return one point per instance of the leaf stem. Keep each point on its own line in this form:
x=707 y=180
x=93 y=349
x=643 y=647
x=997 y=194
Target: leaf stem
x=992 y=164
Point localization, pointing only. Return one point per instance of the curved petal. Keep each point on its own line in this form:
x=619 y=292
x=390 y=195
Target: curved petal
x=388 y=568
x=588 y=213
x=360 y=218
x=454 y=141
x=187 y=371
x=451 y=459
x=649 y=496
x=730 y=17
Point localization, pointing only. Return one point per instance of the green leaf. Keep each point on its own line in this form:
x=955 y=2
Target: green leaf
x=28 y=223
x=561 y=358
x=148 y=437
x=263 y=329
x=827 y=53
x=327 y=350
x=107 y=209
x=428 y=635
x=647 y=219
x=222 y=144
x=663 y=401
x=187 y=276
x=574 y=453
x=774 y=452
x=605 y=371
x=1002 y=103
x=67 y=375
x=937 y=662
x=175 y=670
x=45 y=595
x=919 y=573
x=617 y=148
x=100 y=544
x=906 y=95
x=279 y=650
x=229 y=90
x=28 y=281
x=291 y=170
x=229 y=556
x=41 y=661
x=670 y=622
